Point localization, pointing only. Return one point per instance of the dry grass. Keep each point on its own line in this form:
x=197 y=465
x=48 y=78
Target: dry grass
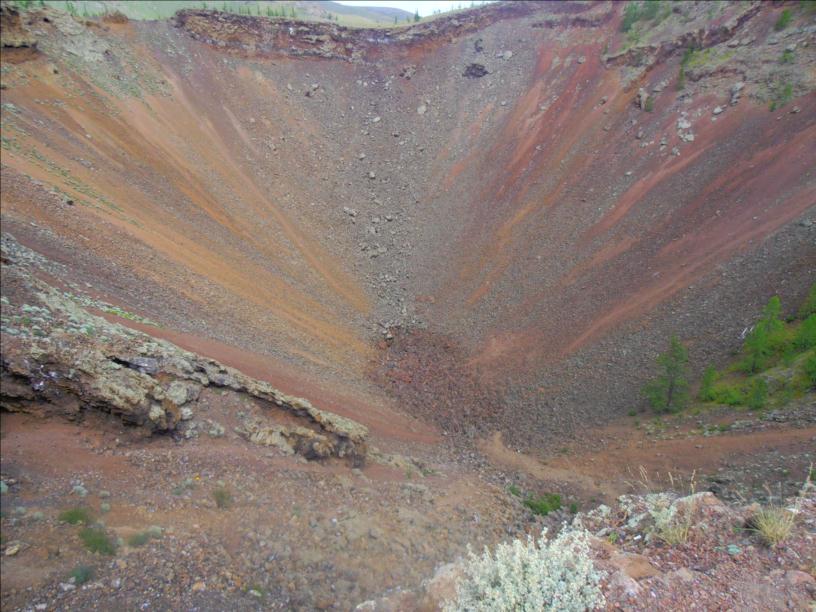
x=773 y=524
x=642 y=482
x=674 y=533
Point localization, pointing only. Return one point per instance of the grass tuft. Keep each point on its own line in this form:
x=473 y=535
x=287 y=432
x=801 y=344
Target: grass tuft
x=773 y=524
x=97 y=541
x=75 y=516
x=674 y=533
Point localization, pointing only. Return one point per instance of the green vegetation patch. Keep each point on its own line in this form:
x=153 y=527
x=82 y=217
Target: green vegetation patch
x=75 y=516
x=82 y=574
x=784 y=20
x=222 y=497
x=97 y=541
x=544 y=504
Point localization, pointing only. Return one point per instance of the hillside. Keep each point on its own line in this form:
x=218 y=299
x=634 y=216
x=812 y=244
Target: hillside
x=365 y=279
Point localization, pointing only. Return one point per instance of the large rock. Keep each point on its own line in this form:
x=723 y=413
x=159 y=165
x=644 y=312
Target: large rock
x=147 y=382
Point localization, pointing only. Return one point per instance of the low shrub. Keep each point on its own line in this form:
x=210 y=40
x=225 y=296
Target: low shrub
x=727 y=394
x=97 y=541
x=543 y=505
x=82 y=574
x=222 y=497
x=531 y=576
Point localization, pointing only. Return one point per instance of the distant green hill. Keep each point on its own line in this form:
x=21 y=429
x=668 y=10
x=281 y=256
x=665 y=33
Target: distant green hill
x=361 y=16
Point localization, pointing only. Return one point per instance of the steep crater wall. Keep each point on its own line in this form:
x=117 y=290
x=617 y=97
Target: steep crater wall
x=511 y=244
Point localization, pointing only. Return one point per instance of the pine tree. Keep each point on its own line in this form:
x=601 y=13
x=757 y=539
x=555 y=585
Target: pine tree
x=416 y=15
x=669 y=391
x=760 y=342
x=706 y=393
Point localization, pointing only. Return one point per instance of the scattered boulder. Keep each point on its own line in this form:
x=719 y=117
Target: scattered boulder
x=475 y=71
x=634 y=565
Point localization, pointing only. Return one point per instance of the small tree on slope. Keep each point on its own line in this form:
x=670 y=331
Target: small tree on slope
x=760 y=342
x=669 y=391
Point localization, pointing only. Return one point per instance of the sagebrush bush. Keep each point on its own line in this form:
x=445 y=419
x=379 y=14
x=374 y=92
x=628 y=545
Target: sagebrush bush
x=531 y=576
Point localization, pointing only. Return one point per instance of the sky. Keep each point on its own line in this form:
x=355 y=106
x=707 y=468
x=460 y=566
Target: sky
x=426 y=7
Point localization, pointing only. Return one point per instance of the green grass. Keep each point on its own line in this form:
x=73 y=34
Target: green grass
x=82 y=574
x=642 y=11
x=784 y=20
x=97 y=541
x=543 y=505
x=75 y=516
x=788 y=57
x=514 y=490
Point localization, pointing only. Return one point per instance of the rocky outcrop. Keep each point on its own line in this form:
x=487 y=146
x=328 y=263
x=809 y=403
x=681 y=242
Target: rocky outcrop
x=59 y=359
x=261 y=36
x=12 y=33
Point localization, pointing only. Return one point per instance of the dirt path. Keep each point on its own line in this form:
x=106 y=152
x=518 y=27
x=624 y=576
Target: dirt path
x=611 y=461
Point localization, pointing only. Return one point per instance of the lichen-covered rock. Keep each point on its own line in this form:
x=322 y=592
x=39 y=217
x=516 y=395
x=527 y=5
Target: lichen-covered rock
x=143 y=381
